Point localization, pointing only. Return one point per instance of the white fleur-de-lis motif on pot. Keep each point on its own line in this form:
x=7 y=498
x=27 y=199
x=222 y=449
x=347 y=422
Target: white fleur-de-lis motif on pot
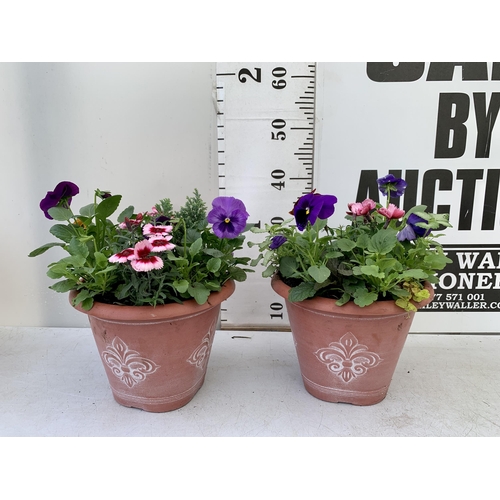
x=126 y=364
x=348 y=358
x=202 y=352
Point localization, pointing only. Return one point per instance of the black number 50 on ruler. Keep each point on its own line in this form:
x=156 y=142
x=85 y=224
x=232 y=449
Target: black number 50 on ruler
x=265 y=131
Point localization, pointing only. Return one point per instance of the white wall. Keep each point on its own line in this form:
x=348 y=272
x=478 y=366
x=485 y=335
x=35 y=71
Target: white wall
x=143 y=130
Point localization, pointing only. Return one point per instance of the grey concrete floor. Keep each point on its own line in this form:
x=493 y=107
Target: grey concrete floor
x=52 y=383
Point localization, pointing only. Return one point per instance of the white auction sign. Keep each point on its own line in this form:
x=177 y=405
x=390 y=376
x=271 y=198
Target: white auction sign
x=434 y=125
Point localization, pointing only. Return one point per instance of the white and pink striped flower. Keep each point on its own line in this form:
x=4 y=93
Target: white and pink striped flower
x=151 y=230
x=123 y=256
x=143 y=260
x=161 y=243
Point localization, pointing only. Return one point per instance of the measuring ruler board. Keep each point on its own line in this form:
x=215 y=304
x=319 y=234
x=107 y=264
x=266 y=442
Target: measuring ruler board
x=265 y=136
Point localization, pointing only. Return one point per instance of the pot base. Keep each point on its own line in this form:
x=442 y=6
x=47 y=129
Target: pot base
x=337 y=395
x=158 y=405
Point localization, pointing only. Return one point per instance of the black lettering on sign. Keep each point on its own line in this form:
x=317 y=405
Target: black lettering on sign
x=389 y=72
x=485 y=121
x=469 y=178
x=451 y=133
x=471 y=282
x=490 y=200
x=368 y=187
x=431 y=177
x=443 y=71
x=436 y=180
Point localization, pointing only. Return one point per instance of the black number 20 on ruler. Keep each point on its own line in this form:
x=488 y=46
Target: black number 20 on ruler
x=265 y=132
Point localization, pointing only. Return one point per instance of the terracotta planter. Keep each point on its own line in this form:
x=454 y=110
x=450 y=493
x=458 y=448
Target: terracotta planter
x=156 y=357
x=347 y=354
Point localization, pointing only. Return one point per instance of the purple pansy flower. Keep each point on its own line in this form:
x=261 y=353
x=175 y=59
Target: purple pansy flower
x=228 y=217
x=391 y=186
x=411 y=231
x=277 y=241
x=311 y=206
x=61 y=196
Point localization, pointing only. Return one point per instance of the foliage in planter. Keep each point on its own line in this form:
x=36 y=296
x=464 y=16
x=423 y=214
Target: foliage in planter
x=148 y=258
x=384 y=253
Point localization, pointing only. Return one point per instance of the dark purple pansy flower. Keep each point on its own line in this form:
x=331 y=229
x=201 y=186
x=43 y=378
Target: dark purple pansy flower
x=228 y=217
x=277 y=241
x=391 y=186
x=312 y=206
x=411 y=231
x=61 y=196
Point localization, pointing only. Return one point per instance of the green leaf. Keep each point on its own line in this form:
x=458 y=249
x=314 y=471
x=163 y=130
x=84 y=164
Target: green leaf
x=108 y=206
x=101 y=260
x=88 y=210
x=400 y=292
x=364 y=298
x=345 y=245
x=421 y=295
x=73 y=261
x=44 y=248
x=77 y=248
x=414 y=273
x=288 y=266
x=437 y=261
x=87 y=304
x=319 y=274
x=255 y=261
x=213 y=286
x=405 y=304
x=417 y=208
x=333 y=255
x=82 y=295
x=213 y=252
x=213 y=264
x=301 y=241
x=63 y=232
x=238 y=274
x=383 y=241
x=344 y=299
x=255 y=229
x=107 y=270
x=63 y=286
x=55 y=272
x=363 y=241
x=195 y=247
x=199 y=293
x=368 y=271
x=128 y=213
x=301 y=292
x=268 y=256
x=181 y=286
x=59 y=213
x=269 y=271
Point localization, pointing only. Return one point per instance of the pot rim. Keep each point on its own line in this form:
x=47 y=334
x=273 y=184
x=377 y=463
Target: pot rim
x=380 y=308
x=160 y=312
